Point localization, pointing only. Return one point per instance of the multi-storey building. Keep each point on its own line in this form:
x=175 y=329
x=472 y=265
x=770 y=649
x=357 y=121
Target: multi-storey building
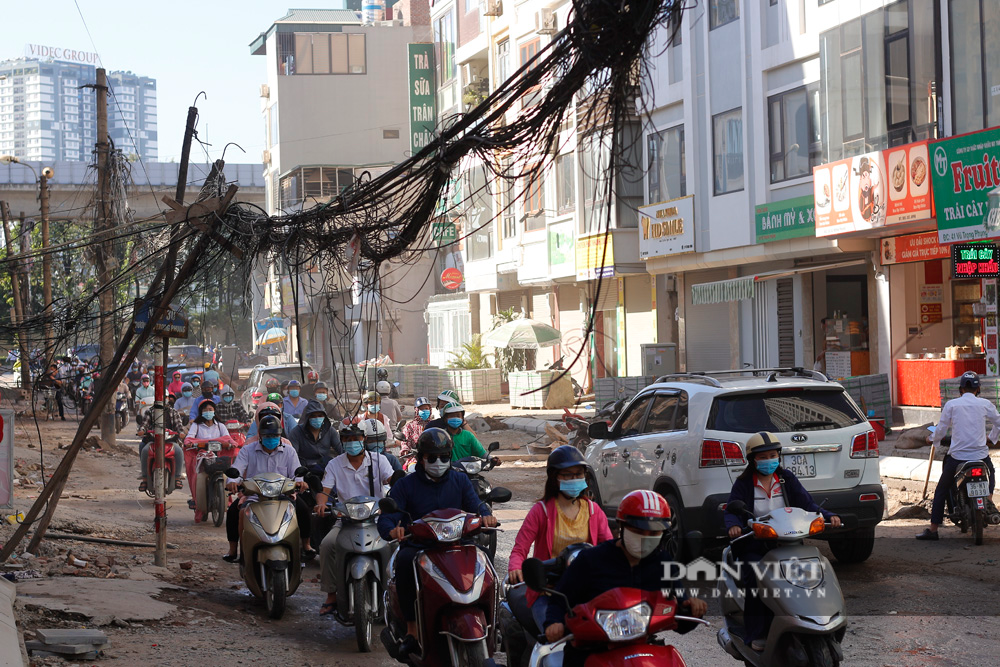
x=46 y=114
x=336 y=105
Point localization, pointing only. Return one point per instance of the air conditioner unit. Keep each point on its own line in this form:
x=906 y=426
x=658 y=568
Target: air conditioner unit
x=468 y=74
x=492 y=8
x=545 y=22
x=265 y=157
x=265 y=91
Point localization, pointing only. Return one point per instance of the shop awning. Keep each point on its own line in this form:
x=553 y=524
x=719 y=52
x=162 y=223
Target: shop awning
x=739 y=289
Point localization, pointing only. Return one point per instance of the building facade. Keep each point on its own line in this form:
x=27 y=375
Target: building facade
x=46 y=114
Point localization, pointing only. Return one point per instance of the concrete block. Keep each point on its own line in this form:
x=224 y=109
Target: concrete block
x=65 y=649
x=71 y=636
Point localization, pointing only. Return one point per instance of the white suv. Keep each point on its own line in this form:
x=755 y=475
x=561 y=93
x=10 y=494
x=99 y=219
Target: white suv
x=684 y=437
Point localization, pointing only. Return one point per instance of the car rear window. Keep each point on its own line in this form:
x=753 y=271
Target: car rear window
x=284 y=374
x=784 y=410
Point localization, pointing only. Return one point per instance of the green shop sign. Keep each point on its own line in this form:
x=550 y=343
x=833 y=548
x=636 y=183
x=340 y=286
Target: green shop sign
x=966 y=179
x=444 y=233
x=423 y=116
x=788 y=219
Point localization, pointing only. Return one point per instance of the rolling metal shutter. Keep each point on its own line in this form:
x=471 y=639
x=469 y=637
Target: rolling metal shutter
x=706 y=327
x=541 y=311
x=506 y=300
x=786 y=323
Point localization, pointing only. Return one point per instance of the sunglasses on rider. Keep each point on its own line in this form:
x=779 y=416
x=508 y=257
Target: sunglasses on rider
x=434 y=458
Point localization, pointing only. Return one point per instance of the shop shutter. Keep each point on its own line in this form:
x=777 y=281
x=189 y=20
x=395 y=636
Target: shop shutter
x=761 y=314
x=540 y=308
x=506 y=300
x=608 y=298
x=786 y=323
x=706 y=327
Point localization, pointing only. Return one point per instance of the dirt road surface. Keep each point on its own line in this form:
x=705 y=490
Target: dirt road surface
x=913 y=603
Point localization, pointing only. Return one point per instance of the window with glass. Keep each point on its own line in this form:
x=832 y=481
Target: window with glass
x=631 y=421
x=727 y=134
x=794 y=141
x=666 y=175
x=721 y=12
x=667 y=413
x=444 y=60
x=506 y=186
x=321 y=53
x=528 y=50
x=314 y=184
x=566 y=182
x=594 y=152
x=879 y=82
x=477 y=204
x=503 y=61
x=975 y=64
x=534 y=198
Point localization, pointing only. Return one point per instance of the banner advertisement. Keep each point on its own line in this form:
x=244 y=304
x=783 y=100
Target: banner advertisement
x=786 y=219
x=966 y=176
x=666 y=228
x=912 y=248
x=423 y=117
x=595 y=257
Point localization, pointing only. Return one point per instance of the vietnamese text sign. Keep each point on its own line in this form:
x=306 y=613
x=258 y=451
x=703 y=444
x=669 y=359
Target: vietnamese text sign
x=595 y=257
x=966 y=175
x=909 y=184
x=666 y=228
x=423 y=117
x=850 y=195
x=173 y=323
x=974 y=260
x=787 y=219
x=913 y=248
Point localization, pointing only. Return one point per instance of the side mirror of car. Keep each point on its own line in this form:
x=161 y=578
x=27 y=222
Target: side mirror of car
x=494 y=446
x=499 y=495
x=388 y=506
x=598 y=431
x=534 y=574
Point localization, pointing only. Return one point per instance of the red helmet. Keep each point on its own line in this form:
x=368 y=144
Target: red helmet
x=645 y=510
x=312 y=375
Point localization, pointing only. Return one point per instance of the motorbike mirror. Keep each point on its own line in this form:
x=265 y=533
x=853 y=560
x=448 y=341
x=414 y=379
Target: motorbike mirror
x=534 y=574
x=396 y=476
x=232 y=473
x=388 y=506
x=499 y=495
x=494 y=446
x=301 y=471
x=619 y=404
x=737 y=507
x=598 y=431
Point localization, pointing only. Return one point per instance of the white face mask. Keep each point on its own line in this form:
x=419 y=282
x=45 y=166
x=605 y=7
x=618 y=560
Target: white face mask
x=437 y=469
x=640 y=546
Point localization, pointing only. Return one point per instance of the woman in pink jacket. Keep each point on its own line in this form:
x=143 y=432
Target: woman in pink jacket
x=562 y=517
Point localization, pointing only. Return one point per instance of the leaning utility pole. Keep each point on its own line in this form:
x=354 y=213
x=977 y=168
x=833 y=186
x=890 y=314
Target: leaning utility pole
x=15 y=285
x=43 y=194
x=104 y=250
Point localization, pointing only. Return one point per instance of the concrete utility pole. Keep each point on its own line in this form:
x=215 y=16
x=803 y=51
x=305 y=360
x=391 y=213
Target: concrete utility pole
x=18 y=307
x=104 y=251
x=43 y=195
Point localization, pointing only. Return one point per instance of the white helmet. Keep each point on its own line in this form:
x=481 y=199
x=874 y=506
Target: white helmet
x=373 y=428
x=383 y=387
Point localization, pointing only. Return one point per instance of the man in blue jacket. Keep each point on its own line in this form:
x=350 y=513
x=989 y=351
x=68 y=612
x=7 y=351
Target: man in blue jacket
x=431 y=486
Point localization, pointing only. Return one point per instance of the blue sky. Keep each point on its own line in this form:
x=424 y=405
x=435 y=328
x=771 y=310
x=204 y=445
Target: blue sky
x=186 y=46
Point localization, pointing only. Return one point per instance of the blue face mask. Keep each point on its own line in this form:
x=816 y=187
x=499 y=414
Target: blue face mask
x=572 y=487
x=454 y=422
x=321 y=397
x=424 y=414
x=767 y=467
x=228 y=399
x=208 y=414
x=270 y=442
x=373 y=408
x=187 y=394
x=375 y=446
x=316 y=422
x=294 y=393
x=354 y=447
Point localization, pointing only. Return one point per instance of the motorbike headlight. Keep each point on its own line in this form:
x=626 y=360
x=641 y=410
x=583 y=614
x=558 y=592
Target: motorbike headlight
x=624 y=624
x=802 y=572
x=448 y=531
x=359 y=511
x=472 y=467
x=270 y=489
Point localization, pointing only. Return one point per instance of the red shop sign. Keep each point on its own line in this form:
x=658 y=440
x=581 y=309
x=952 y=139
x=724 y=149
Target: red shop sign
x=451 y=278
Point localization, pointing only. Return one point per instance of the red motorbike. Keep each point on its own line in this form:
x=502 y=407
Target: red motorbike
x=171 y=468
x=237 y=432
x=620 y=626
x=457 y=592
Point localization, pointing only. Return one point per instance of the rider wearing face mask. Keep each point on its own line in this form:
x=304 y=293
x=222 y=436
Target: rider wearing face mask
x=388 y=405
x=176 y=385
x=375 y=441
x=356 y=472
x=763 y=486
x=229 y=409
x=325 y=398
x=206 y=428
x=444 y=398
x=466 y=444
x=145 y=389
x=416 y=426
x=562 y=517
x=636 y=559
x=269 y=452
x=186 y=401
x=432 y=486
x=315 y=439
x=207 y=394
x=293 y=404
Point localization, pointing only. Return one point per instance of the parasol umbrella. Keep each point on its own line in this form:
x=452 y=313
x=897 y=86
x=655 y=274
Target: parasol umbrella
x=522 y=335
x=275 y=335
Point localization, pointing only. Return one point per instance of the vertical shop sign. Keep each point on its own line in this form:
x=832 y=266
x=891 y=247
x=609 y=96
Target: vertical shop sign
x=423 y=116
x=990 y=344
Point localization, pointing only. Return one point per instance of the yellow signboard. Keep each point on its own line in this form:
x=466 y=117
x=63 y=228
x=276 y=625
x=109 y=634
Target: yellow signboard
x=595 y=257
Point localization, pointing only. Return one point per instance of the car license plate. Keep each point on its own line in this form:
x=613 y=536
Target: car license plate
x=802 y=465
x=977 y=489
x=215 y=446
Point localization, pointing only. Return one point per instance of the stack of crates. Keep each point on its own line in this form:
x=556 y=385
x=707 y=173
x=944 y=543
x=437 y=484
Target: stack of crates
x=408 y=382
x=607 y=390
x=527 y=381
x=871 y=393
x=428 y=382
x=475 y=386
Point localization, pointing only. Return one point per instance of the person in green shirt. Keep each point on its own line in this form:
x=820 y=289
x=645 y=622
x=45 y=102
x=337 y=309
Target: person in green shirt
x=464 y=442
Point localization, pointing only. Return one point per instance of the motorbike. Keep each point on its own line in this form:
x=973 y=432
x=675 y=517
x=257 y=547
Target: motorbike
x=143 y=405
x=622 y=624
x=270 y=545
x=172 y=468
x=519 y=632
x=796 y=582
x=457 y=592
x=580 y=427
x=474 y=467
x=213 y=459
x=362 y=563
x=236 y=432
x=967 y=504
x=121 y=411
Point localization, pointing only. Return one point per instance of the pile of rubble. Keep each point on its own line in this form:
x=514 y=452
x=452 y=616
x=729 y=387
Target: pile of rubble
x=68 y=644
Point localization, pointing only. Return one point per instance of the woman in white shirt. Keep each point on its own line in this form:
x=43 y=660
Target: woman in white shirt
x=204 y=429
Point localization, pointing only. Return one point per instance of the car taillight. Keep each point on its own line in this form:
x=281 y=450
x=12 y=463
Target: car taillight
x=975 y=472
x=865 y=446
x=718 y=453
